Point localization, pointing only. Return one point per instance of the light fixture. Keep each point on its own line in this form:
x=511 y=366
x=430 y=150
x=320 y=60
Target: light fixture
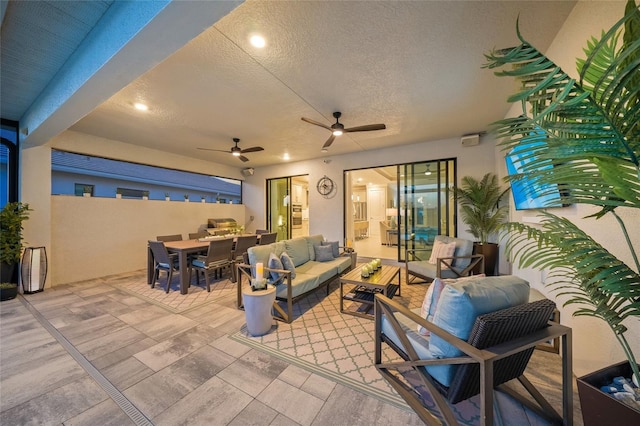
x=323 y=150
x=428 y=172
x=337 y=132
x=140 y=106
x=285 y=156
x=257 y=41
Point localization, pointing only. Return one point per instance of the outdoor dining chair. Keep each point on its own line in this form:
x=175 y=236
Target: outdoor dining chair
x=163 y=262
x=219 y=256
x=167 y=238
x=243 y=242
x=267 y=238
x=197 y=235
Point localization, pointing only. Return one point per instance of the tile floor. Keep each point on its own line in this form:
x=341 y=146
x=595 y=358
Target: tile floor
x=92 y=353
x=169 y=368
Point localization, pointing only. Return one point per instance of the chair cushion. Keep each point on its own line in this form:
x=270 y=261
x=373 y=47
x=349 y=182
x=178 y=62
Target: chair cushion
x=298 y=251
x=288 y=264
x=463 y=301
x=275 y=263
x=335 y=247
x=313 y=240
x=323 y=253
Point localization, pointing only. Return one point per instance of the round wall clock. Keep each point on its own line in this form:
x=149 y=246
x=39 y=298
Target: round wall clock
x=325 y=186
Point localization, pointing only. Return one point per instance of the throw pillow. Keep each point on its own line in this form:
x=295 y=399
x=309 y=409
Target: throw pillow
x=335 y=247
x=323 y=253
x=441 y=249
x=424 y=309
x=275 y=263
x=288 y=264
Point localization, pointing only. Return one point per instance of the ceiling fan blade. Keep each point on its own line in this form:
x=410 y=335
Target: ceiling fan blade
x=216 y=150
x=366 y=128
x=308 y=120
x=243 y=158
x=329 y=141
x=252 y=149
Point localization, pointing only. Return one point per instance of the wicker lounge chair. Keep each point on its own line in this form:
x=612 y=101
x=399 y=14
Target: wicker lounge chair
x=497 y=351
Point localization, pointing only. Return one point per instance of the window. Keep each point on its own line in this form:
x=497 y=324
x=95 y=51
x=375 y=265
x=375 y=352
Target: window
x=9 y=162
x=71 y=172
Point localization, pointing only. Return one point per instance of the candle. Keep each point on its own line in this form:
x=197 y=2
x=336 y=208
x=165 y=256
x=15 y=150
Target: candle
x=259 y=270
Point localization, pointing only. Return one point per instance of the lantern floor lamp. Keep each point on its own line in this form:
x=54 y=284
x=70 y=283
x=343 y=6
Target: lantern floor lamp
x=33 y=269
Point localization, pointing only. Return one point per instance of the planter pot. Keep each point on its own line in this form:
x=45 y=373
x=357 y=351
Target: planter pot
x=33 y=269
x=600 y=408
x=8 y=293
x=118 y=195
x=186 y=200
x=8 y=272
x=167 y=198
x=490 y=252
x=86 y=194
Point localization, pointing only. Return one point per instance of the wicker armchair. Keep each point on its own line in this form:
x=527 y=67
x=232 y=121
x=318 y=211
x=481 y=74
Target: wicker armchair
x=497 y=351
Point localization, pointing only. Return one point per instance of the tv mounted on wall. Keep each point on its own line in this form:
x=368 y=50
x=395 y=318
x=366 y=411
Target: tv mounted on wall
x=527 y=192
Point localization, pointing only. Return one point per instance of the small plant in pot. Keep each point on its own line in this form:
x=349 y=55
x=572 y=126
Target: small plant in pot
x=11 y=218
x=481 y=209
x=591 y=151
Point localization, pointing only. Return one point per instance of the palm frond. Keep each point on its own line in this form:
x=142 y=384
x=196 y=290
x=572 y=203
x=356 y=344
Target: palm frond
x=582 y=269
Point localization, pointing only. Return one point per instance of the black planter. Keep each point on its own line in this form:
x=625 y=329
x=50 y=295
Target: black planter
x=600 y=408
x=8 y=272
x=8 y=293
x=490 y=252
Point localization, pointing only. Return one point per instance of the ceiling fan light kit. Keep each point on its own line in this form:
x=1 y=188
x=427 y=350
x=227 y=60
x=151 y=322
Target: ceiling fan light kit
x=236 y=151
x=337 y=128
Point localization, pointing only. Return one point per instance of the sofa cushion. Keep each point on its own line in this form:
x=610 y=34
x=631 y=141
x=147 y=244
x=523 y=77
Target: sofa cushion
x=313 y=240
x=260 y=254
x=300 y=285
x=297 y=250
x=324 y=270
x=323 y=253
x=463 y=301
x=288 y=264
x=335 y=247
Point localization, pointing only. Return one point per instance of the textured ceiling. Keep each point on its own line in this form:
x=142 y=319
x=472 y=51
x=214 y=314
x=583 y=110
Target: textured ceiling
x=414 y=66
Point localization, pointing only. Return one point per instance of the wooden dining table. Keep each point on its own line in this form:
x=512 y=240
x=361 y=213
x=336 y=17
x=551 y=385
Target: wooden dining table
x=183 y=249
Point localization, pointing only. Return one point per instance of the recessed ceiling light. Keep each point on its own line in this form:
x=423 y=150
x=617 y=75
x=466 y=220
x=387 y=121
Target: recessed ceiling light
x=323 y=150
x=257 y=41
x=285 y=156
x=140 y=106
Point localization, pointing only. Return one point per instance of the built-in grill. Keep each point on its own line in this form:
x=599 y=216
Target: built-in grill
x=221 y=225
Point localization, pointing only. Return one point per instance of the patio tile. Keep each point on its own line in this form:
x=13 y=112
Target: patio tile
x=106 y=413
x=126 y=373
x=166 y=326
x=123 y=353
x=254 y=414
x=111 y=342
x=294 y=403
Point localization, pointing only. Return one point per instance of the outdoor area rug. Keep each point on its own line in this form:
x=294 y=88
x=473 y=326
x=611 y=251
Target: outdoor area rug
x=136 y=284
x=340 y=347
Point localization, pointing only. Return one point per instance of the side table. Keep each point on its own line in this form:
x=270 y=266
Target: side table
x=258 y=307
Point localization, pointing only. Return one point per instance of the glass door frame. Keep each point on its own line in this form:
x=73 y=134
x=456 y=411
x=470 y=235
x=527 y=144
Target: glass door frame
x=279 y=212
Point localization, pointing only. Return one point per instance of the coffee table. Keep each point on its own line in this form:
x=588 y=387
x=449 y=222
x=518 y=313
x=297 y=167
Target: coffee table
x=362 y=290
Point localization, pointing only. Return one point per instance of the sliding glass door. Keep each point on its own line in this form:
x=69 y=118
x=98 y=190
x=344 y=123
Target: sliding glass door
x=392 y=208
x=288 y=206
x=426 y=207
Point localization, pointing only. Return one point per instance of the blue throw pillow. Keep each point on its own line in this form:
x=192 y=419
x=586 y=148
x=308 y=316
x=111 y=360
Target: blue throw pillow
x=288 y=264
x=323 y=253
x=335 y=247
x=274 y=263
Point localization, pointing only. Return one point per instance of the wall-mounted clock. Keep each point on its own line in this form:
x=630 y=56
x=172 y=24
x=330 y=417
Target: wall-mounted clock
x=325 y=186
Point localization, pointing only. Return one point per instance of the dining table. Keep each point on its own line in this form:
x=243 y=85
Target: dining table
x=183 y=249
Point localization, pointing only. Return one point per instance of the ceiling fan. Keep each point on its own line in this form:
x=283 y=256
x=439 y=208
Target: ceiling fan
x=338 y=129
x=236 y=151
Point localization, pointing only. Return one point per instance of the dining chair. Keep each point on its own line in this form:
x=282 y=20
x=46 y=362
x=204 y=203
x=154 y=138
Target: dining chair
x=197 y=235
x=218 y=257
x=262 y=231
x=267 y=238
x=167 y=238
x=243 y=242
x=163 y=261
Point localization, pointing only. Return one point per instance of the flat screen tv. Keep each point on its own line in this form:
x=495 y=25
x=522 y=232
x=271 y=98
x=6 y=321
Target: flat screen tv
x=527 y=192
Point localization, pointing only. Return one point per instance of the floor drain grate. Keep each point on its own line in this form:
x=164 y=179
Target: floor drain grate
x=130 y=410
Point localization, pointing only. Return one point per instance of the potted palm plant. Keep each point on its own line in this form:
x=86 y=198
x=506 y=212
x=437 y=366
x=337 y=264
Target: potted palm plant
x=480 y=209
x=11 y=218
x=591 y=151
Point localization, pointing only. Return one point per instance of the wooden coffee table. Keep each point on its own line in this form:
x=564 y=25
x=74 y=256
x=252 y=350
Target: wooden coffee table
x=362 y=290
